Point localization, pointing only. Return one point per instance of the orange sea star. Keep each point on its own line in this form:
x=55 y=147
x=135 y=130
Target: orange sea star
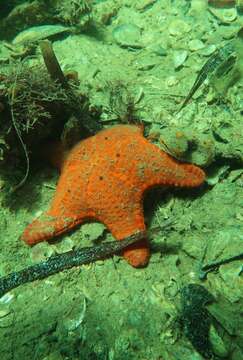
x=104 y=178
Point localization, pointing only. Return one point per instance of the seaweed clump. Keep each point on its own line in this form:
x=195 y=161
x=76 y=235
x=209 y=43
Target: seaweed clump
x=121 y=102
x=74 y=13
x=33 y=108
x=38 y=102
x=32 y=95
x=195 y=318
x=17 y=16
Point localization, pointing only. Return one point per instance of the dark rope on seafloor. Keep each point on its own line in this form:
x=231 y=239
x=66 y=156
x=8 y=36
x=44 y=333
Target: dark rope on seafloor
x=64 y=261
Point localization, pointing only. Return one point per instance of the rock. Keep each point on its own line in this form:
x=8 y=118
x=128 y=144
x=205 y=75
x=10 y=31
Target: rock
x=175 y=141
x=179 y=57
x=65 y=245
x=208 y=50
x=231 y=286
x=195 y=45
x=128 y=35
x=217 y=343
x=228 y=32
x=224 y=16
x=41 y=252
x=37 y=33
x=147 y=62
x=204 y=151
x=158 y=49
x=171 y=81
x=142 y=5
x=7 y=298
x=178 y=28
x=198 y=7
x=75 y=317
x=92 y=231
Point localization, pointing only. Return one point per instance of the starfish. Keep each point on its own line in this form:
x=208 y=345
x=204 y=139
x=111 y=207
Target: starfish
x=104 y=178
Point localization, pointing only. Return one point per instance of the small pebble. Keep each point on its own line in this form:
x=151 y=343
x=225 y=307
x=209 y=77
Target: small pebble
x=146 y=63
x=172 y=81
x=144 y=4
x=7 y=298
x=65 y=245
x=158 y=50
x=128 y=35
x=224 y=16
x=177 y=143
x=198 y=7
x=204 y=152
x=178 y=28
x=41 y=252
x=195 y=45
x=92 y=231
x=179 y=57
x=4 y=313
x=208 y=50
x=228 y=32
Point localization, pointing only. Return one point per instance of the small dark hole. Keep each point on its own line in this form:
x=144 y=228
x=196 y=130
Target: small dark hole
x=101 y=177
x=118 y=155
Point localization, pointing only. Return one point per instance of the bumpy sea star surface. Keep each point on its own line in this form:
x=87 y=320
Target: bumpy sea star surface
x=104 y=178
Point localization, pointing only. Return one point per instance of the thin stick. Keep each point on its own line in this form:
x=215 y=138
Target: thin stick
x=91 y=126
x=216 y=264
x=52 y=63
x=205 y=269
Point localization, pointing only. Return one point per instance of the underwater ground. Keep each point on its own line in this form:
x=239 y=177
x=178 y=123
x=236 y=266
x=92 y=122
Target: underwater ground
x=147 y=53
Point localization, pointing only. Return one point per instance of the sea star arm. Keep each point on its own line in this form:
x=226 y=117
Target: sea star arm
x=48 y=226
x=123 y=221
x=65 y=212
x=158 y=168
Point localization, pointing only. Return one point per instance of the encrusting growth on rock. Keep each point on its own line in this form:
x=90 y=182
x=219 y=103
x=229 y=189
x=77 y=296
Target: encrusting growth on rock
x=104 y=178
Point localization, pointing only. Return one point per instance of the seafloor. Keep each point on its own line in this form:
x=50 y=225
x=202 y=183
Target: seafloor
x=109 y=310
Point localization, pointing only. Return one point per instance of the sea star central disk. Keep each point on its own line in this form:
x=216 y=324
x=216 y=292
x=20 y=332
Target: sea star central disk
x=104 y=178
